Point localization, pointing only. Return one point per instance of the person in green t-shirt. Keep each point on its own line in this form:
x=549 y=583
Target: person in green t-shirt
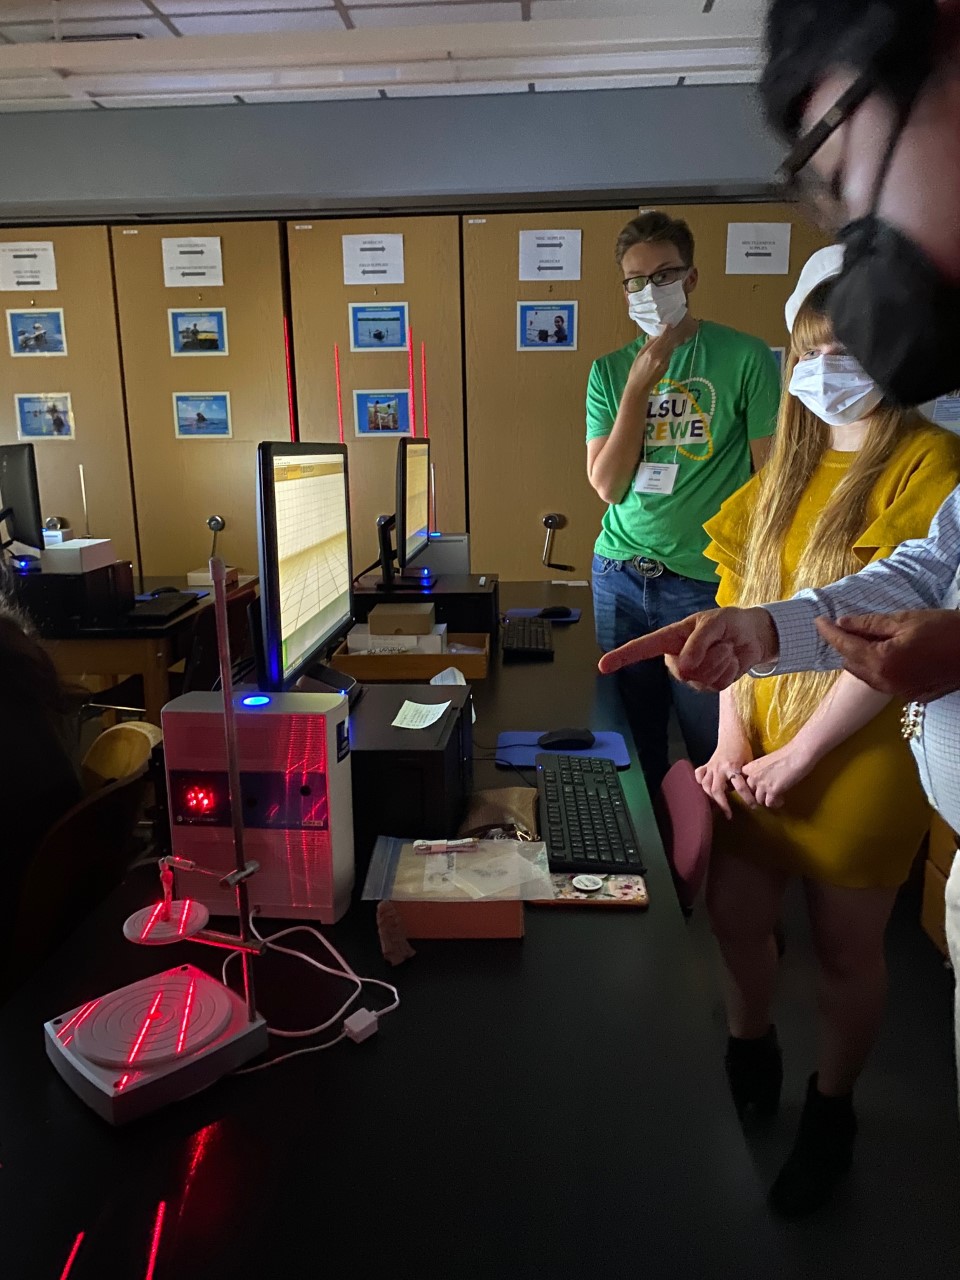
x=675 y=422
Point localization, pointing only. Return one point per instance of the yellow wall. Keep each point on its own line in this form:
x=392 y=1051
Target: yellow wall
x=319 y=301
x=179 y=483
x=90 y=372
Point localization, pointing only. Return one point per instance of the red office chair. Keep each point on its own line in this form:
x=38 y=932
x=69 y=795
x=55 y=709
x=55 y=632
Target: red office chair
x=686 y=823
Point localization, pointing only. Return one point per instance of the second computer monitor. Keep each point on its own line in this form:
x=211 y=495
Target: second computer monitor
x=413 y=500
x=19 y=496
x=306 y=572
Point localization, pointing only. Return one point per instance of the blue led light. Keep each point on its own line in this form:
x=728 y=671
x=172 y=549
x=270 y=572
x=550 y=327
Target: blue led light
x=255 y=700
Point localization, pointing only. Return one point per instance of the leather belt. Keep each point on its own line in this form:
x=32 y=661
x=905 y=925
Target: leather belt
x=648 y=568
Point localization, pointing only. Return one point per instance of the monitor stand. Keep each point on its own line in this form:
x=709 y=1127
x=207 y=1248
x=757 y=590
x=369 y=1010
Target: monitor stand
x=419 y=580
x=319 y=678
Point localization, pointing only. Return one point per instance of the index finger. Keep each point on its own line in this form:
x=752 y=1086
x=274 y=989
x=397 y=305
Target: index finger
x=655 y=645
x=859 y=653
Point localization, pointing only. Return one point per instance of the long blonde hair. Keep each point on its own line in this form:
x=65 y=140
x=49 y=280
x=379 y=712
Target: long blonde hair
x=801 y=441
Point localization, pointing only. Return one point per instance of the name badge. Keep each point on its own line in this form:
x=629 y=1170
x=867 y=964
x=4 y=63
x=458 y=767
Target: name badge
x=656 y=477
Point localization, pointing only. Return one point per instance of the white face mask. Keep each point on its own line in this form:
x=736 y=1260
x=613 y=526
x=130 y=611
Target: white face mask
x=657 y=308
x=836 y=389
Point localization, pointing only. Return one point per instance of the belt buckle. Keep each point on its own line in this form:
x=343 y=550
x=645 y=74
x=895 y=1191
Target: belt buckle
x=648 y=568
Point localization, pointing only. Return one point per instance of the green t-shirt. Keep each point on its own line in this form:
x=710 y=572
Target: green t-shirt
x=721 y=390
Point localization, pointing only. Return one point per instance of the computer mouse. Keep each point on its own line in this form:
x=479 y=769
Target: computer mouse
x=567 y=740
x=162 y=591
x=556 y=611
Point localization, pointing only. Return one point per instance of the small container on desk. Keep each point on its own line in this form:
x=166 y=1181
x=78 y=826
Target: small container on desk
x=372 y=667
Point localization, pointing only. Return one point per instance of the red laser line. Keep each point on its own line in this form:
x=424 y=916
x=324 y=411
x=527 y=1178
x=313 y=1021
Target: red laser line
x=68 y=1266
x=336 y=365
x=81 y=1015
x=290 y=397
x=155 y=1242
x=145 y=1028
x=423 y=389
x=188 y=1006
x=151 y=922
x=184 y=912
x=413 y=389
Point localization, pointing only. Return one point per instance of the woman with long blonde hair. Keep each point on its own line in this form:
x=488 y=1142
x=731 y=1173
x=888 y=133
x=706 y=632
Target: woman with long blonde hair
x=810 y=769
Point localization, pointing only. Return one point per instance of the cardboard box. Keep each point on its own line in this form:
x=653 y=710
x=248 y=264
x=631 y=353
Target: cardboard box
x=79 y=555
x=201 y=577
x=943 y=845
x=933 y=915
x=497 y=919
x=360 y=640
x=401 y=619
x=412 y=667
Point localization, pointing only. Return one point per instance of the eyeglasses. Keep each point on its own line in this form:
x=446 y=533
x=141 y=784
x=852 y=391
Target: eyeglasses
x=824 y=196
x=669 y=275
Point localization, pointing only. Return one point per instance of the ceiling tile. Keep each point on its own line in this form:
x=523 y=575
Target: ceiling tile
x=479 y=89
x=683 y=9
x=576 y=83
x=252 y=23
x=435 y=15
x=173 y=8
x=180 y=100
x=746 y=76
x=307 y=95
x=40 y=10
x=42 y=32
x=48 y=104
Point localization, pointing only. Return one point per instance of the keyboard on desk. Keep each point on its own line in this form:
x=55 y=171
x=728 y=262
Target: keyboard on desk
x=527 y=640
x=159 y=608
x=583 y=816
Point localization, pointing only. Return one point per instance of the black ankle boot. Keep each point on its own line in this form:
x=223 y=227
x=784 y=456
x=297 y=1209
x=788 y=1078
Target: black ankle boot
x=755 y=1071
x=821 y=1155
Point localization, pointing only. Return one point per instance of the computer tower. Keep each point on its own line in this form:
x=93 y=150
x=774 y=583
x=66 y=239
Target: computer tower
x=409 y=782
x=294 y=756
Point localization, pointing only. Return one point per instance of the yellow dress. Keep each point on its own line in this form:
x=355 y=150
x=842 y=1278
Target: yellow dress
x=857 y=820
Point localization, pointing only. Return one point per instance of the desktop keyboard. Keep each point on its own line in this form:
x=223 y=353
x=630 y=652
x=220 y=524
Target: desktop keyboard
x=527 y=640
x=583 y=816
x=160 y=608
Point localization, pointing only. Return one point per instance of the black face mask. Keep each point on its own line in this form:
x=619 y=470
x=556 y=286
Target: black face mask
x=896 y=314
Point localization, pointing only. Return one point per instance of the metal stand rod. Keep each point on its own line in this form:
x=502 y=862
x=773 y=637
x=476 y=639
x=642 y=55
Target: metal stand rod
x=218 y=577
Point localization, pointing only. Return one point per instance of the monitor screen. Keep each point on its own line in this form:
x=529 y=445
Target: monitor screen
x=413 y=500
x=306 y=571
x=20 y=496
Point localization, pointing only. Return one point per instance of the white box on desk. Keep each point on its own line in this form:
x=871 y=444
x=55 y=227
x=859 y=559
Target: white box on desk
x=201 y=577
x=359 y=640
x=79 y=555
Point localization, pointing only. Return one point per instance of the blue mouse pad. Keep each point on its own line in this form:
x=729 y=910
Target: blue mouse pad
x=535 y=613
x=523 y=749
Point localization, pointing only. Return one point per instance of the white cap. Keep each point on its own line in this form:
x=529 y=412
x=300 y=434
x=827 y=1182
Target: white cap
x=826 y=264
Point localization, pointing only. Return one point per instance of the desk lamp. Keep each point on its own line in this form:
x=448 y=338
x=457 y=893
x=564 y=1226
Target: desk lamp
x=166 y=1037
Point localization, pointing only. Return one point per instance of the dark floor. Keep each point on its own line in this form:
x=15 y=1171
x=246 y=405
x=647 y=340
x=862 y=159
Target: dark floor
x=899 y=1212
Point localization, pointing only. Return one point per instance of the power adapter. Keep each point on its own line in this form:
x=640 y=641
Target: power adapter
x=360 y=1025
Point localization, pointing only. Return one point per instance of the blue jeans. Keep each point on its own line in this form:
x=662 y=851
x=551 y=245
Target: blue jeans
x=627 y=605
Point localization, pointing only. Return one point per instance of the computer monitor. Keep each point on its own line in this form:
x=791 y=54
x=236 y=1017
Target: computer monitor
x=306 y=566
x=413 y=500
x=20 y=497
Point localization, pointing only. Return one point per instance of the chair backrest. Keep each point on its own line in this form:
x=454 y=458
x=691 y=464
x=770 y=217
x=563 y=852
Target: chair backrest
x=202 y=669
x=119 y=752
x=79 y=861
x=687 y=822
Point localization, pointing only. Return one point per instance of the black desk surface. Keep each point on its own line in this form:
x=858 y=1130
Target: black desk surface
x=551 y=1107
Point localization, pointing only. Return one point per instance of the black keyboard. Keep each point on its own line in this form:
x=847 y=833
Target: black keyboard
x=527 y=640
x=583 y=816
x=161 y=607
